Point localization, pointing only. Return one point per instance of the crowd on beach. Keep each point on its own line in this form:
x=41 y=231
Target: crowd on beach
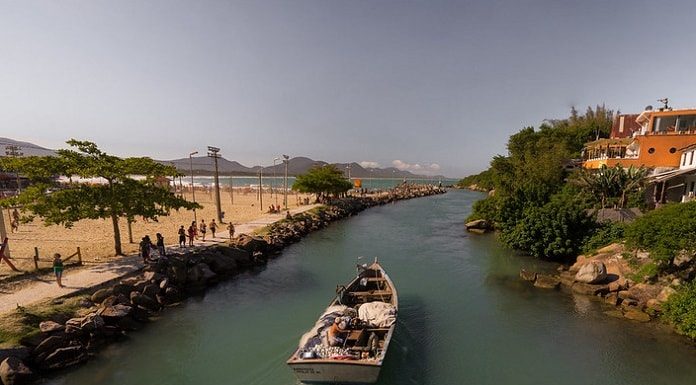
x=186 y=237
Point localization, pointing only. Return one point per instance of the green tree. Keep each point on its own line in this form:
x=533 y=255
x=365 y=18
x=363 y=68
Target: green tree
x=611 y=185
x=120 y=196
x=322 y=181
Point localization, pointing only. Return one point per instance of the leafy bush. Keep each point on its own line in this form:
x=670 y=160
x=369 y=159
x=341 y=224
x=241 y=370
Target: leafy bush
x=680 y=310
x=645 y=272
x=665 y=232
x=556 y=230
x=602 y=235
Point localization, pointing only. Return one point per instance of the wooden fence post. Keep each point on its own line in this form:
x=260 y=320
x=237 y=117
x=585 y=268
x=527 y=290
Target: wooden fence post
x=79 y=256
x=36 y=258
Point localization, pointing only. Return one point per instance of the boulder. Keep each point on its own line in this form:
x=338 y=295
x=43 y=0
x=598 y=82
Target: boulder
x=48 y=346
x=479 y=226
x=21 y=352
x=65 y=357
x=50 y=327
x=14 y=372
x=73 y=325
x=592 y=272
x=91 y=323
x=129 y=324
x=637 y=315
x=590 y=289
x=114 y=312
x=545 y=281
x=683 y=259
x=123 y=288
x=151 y=290
x=643 y=292
x=100 y=295
x=527 y=275
x=220 y=263
x=251 y=244
x=618 y=285
x=567 y=278
x=612 y=299
x=654 y=305
x=152 y=276
x=664 y=295
x=144 y=301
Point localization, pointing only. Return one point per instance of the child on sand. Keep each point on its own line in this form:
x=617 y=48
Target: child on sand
x=202 y=229
x=58 y=269
x=182 y=236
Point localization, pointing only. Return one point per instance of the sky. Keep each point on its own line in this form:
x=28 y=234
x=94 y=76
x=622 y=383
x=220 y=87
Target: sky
x=430 y=86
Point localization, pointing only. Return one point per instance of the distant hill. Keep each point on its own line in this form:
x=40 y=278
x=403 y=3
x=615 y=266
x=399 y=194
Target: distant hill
x=26 y=148
x=202 y=165
x=296 y=166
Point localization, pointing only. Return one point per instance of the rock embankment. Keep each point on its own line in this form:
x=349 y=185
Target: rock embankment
x=605 y=276
x=111 y=313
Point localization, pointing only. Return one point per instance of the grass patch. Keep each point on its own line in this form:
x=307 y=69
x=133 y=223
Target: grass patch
x=23 y=322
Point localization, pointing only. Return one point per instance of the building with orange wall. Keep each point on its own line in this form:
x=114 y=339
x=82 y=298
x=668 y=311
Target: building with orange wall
x=658 y=144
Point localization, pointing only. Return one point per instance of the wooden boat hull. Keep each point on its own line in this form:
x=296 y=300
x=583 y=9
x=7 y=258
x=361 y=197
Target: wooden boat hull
x=372 y=284
x=336 y=372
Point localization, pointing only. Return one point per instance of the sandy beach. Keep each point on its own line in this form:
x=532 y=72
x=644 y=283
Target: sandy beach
x=95 y=237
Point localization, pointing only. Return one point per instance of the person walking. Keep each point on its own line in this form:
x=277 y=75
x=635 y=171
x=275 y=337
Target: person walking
x=182 y=236
x=230 y=227
x=145 y=247
x=191 y=233
x=195 y=229
x=213 y=227
x=58 y=269
x=202 y=229
x=160 y=245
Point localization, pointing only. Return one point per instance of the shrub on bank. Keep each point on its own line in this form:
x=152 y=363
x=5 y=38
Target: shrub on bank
x=680 y=310
x=604 y=234
x=556 y=230
x=665 y=232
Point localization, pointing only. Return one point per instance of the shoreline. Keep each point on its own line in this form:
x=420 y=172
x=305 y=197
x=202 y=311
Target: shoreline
x=70 y=335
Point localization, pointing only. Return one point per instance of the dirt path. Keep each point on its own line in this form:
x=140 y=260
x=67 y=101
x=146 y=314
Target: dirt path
x=44 y=287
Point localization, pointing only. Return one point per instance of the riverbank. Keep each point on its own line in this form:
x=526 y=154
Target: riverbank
x=69 y=337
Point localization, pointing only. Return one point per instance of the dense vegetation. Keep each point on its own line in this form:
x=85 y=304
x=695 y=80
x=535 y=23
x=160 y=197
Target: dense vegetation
x=680 y=310
x=665 y=232
x=534 y=207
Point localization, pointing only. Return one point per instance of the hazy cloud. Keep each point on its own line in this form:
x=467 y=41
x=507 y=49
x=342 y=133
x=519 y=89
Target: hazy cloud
x=369 y=164
x=403 y=166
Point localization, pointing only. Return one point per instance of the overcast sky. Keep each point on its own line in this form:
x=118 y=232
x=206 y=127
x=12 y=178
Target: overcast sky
x=414 y=82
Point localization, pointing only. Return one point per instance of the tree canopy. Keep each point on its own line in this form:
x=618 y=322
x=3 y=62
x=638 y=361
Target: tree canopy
x=322 y=180
x=120 y=196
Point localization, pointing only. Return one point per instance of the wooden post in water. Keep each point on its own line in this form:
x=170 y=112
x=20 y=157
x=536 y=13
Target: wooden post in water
x=36 y=258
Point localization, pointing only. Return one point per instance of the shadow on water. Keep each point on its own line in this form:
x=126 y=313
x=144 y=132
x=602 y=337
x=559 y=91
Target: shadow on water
x=407 y=359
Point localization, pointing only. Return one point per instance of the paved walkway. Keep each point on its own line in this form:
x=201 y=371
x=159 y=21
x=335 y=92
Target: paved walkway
x=79 y=279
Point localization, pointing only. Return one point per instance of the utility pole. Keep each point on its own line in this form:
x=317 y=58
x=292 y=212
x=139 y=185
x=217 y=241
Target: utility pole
x=274 y=180
x=261 y=188
x=213 y=152
x=286 y=160
x=231 y=192
x=15 y=151
x=193 y=188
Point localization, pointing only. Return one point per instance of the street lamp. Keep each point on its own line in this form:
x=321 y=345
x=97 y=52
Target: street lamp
x=274 y=180
x=193 y=189
x=286 y=160
x=261 y=188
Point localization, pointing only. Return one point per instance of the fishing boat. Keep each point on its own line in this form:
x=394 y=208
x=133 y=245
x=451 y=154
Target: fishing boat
x=348 y=343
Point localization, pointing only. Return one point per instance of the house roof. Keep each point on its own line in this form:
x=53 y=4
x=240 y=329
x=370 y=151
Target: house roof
x=670 y=174
x=610 y=141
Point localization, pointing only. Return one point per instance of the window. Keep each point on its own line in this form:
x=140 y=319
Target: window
x=651 y=150
x=683 y=162
x=691 y=161
x=672 y=150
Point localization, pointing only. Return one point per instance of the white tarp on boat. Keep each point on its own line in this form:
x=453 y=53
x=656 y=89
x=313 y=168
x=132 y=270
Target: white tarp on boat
x=378 y=314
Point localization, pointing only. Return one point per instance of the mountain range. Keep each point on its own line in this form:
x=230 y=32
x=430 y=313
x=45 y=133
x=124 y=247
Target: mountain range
x=203 y=165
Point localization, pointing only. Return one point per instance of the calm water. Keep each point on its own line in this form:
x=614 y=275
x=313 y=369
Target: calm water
x=277 y=182
x=465 y=317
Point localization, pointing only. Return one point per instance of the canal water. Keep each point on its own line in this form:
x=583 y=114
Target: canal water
x=465 y=317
